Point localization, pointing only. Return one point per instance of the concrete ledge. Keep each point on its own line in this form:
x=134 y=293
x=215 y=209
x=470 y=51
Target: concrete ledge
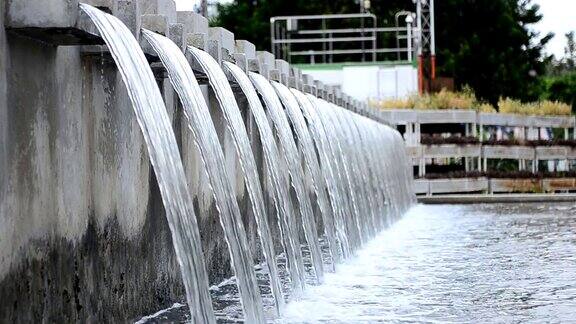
x=551 y=185
x=496 y=199
x=508 y=152
x=421 y=186
x=515 y=185
x=495 y=119
x=447 y=117
x=455 y=116
x=493 y=186
x=451 y=150
x=551 y=152
x=457 y=185
x=400 y=116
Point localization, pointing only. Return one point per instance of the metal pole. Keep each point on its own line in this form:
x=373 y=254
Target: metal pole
x=272 y=36
x=432 y=41
x=362 y=35
x=409 y=31
x=323 y=42
x=420 y=58
x=374 y=39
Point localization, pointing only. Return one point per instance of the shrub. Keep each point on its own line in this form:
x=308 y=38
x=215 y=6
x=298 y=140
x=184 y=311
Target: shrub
x=467 y=100
x=486 y=108
x=543 y=108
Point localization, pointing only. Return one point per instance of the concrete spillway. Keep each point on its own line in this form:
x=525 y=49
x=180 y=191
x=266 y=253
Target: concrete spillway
x=120 y=196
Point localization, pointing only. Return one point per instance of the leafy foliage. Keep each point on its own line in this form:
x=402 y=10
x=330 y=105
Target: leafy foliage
x=562 y=88
x=486 y=44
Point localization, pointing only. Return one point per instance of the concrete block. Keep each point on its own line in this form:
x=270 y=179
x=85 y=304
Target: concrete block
x=176 y=34
x=330 y=95
x=283 y=68
x=307 y=79
x=220 y=43
x=104 y=5
x=41 y=13
x=52 y=21
x=307 y=83
x=345 y=101
x=128 y=12
x=159 y=7
x=295 y=79
x=245 y=55
x=319 y=89
x=266 y=63
x=337 y=93
x=241 y=61
x=246 y=48
x=155 y=23
x=195 y=28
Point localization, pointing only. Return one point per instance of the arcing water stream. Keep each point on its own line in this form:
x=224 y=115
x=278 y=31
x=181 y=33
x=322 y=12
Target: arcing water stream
x=328 y=153
x=164 y=156
x=294 y=164
x=285 y=212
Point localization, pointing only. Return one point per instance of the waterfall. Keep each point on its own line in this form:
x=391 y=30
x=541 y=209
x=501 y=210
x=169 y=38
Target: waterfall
x=359 y=168
x=328 y=167
x=311 y=162
x=356 y=169
x=285 y=213
x=293 y=161
x=235 y=124
x=164 y=156
x=200 y=122
x=341 y=157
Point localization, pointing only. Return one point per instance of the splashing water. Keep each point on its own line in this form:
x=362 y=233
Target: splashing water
x=359 y=190
x=329 y=168
x=199 y=120
x=342 y=158
x=164 y=156
x=285 y=213
x=503 y=263
x=235 y=124
x=311 y=162
x=293 y=161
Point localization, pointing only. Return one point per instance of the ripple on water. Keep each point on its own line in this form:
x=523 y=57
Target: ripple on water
x=442 y=264
x=483 y=263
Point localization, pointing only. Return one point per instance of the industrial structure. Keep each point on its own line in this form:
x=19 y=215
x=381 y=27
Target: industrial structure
x=353 y=52
x=460 y=151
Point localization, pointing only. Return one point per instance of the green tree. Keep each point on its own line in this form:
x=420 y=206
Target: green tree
x=570 y=51
x=560 y=84
x=486 y=44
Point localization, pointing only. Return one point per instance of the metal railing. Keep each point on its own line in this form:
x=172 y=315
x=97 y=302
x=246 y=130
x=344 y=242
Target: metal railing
x=336 y=38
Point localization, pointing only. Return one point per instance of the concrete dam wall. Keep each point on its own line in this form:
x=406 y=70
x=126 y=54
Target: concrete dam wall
x=83 y=229
x=81 y=212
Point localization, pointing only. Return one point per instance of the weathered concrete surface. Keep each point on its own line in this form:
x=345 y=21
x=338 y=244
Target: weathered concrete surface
x=3 y=113
x=83 y=234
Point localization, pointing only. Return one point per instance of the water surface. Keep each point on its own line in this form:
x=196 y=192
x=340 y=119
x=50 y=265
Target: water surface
x=483 y=263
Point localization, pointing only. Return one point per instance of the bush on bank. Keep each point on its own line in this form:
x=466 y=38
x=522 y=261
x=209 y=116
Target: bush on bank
x=466 y=100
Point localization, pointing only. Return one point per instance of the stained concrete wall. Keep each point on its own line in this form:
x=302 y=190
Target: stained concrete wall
x=83 y=233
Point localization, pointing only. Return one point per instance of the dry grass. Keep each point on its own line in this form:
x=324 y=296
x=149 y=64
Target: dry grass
x=441 y=100
x=542 y=108
x=467 y=100
x=486 y=108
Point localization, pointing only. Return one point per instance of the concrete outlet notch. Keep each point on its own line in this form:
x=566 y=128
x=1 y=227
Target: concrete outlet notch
x=266 y=64
x=245 y=55
x=221 y=44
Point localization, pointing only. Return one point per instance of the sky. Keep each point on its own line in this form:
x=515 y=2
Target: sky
x=559 y=18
